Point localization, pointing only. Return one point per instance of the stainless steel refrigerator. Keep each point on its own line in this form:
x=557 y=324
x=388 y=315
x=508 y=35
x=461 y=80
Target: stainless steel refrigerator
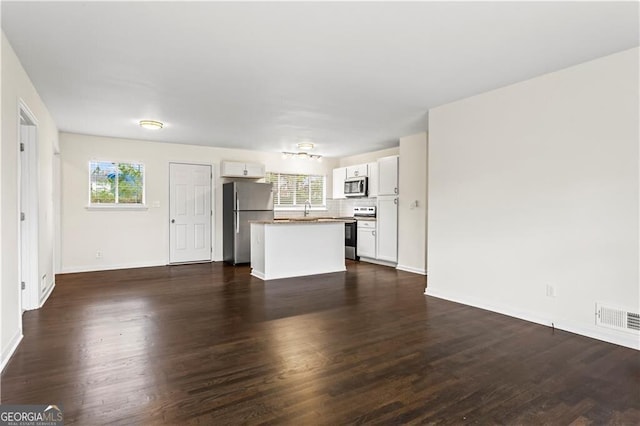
x=242 y=202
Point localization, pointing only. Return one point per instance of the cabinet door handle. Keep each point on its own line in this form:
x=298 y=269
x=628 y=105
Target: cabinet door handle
x=173 y=221
x=395 y=190
x=373 y=233
x=237 y=214
x=395 y=201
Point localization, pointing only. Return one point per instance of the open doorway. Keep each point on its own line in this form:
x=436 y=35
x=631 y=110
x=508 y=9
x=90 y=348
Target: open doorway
x=28 y=238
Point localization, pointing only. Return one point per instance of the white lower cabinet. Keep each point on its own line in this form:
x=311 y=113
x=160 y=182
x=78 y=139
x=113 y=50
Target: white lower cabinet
x=387 y=212
x=366 y=240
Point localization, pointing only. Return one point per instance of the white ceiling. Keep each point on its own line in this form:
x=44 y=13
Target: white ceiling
x=350 y=77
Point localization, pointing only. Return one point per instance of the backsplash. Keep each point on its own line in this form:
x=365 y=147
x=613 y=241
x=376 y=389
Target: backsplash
x=346 y=206
x=335 y=208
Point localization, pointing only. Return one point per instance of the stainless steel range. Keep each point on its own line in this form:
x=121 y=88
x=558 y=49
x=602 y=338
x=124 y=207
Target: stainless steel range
x=366 y=231
x=350 y=240
x=365 y=212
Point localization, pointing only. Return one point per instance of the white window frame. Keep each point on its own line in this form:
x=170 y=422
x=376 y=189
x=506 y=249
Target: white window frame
x=298 y=207
x=116 y=205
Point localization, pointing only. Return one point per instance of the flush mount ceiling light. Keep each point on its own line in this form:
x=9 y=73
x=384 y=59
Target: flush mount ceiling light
x=302 y=155
x=305 y=146
x=151 y=124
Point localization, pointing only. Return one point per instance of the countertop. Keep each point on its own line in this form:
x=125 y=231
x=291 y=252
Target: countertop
x=305 y=221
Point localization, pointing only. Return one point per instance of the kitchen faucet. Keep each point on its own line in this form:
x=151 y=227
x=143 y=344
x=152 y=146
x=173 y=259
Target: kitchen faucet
x=306 y=212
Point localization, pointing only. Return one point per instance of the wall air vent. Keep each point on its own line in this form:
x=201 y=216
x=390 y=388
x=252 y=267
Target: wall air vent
x=619 y=319
x=633 y=321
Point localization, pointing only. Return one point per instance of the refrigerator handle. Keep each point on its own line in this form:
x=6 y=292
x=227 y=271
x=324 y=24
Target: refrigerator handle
x=237 y=214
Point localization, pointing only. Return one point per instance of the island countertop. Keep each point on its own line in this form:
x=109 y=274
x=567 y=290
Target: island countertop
x=304 y=221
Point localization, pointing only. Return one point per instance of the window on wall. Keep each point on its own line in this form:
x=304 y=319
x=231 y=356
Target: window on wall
x=116 y=183
x=291 y=191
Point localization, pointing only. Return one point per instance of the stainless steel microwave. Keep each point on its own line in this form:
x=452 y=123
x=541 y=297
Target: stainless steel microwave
x=355 y=187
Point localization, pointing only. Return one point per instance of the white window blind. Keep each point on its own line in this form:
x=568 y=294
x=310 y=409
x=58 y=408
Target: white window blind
x=291 y=190
x=116 y=183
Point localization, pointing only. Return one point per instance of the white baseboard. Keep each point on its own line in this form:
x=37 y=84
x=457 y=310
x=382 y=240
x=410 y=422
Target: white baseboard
x=620 y=338
x=412 y=269
x=264 y=277
x=94 y=268
x=257 y=274
x=10 y=349
x=628 y=340
x=47 y=294
x=378 y=262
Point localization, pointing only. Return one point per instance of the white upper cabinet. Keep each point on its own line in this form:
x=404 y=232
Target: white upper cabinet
x=239 y=169
x=372 y=173
x=388 y=175
x=358 y=170
x=339 y=175
x=255 y=170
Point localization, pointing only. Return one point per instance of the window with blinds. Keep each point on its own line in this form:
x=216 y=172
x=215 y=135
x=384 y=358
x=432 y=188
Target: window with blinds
x=116 y=183
x=291 y=190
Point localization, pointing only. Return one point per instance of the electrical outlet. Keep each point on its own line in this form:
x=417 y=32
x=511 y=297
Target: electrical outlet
x=551 y=291
x=98 y=254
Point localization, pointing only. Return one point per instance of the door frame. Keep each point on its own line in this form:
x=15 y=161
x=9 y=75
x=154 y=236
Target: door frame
x=213 y=210
x=28 y=196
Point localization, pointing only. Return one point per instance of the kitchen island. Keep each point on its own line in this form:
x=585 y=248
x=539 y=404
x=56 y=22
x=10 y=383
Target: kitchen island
x=293 y=248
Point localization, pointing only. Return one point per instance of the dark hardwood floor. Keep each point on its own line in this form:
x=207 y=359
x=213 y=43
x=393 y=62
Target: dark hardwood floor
x=209 y=344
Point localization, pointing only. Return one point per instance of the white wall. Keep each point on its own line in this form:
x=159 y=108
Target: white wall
x=5 y=346
x=536 y=184
x=141 y=238
x=367 y=157
x=412 y=220
x=16 y=86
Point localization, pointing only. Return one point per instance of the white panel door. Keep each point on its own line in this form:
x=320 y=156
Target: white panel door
x=190 y=213
x=29 y=272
